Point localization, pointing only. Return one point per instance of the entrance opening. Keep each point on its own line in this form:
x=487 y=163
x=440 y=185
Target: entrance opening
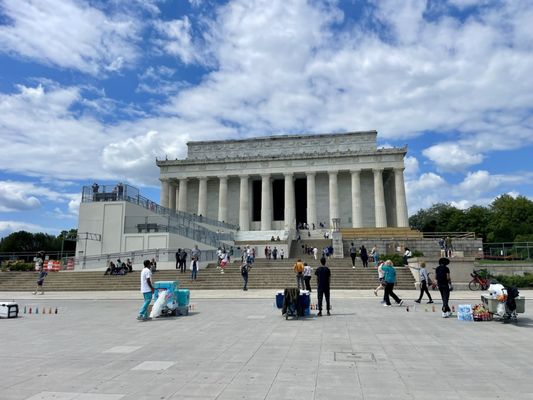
x=278 y=202
x=256 y=200
x=300 y=197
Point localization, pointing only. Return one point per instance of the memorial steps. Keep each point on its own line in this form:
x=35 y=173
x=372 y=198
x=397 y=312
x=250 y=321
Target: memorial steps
x=266 y=274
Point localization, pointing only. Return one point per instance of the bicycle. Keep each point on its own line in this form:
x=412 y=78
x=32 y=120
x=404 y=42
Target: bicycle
x=478 y=282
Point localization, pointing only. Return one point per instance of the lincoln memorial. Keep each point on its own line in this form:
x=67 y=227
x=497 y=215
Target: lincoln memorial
x=275 y=182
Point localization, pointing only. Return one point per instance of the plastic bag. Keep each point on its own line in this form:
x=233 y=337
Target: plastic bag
x=464 y=312
x=158 y=305
x=495 y=290
x=500 y=310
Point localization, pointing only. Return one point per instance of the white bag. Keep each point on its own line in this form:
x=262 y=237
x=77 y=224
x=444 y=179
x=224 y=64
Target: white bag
x=158 y=305
x=500 y=310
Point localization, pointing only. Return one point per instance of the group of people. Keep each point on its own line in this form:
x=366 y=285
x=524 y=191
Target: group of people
x=122 y=268
x=304 y=273
x=446 y=247
x=364 y=255
x=272 y=254
x=387 y=280
x=181 y=261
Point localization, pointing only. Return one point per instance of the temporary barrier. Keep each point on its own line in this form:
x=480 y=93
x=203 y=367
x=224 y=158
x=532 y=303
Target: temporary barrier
x=54 y=266
x=70 y=264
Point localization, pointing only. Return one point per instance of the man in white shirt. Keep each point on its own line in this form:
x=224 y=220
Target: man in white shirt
x=147 y=289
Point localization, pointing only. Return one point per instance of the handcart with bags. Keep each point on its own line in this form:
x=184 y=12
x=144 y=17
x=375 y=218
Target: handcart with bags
x=294 y=303
x=504 y=302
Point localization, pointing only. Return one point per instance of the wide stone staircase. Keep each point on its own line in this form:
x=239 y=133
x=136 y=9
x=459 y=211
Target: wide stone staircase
x=266 y=274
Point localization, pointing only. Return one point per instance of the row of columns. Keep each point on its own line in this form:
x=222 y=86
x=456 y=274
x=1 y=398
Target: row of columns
x=175 y=197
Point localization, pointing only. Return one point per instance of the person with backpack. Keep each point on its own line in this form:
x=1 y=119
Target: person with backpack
x=299 y=271
x=245 y=269
x=390 y=279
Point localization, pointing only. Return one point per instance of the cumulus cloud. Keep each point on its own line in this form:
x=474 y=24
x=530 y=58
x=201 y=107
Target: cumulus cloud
x=176 y=39
x=68 y=34
x=7 y=227
x=452 y=157
x=23 y=196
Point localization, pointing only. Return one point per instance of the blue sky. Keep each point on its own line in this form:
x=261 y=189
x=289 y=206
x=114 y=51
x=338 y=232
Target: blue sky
x=96 y=90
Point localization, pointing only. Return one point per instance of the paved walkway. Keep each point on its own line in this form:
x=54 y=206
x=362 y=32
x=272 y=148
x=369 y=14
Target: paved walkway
x=236 y=345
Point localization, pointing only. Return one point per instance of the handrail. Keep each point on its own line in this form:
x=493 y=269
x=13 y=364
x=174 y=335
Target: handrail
x=121 y=192
x=452 y=235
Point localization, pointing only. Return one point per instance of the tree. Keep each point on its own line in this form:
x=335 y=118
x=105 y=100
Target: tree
x=510 y=217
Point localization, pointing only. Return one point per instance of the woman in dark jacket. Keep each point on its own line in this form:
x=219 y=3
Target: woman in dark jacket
x=364 y=256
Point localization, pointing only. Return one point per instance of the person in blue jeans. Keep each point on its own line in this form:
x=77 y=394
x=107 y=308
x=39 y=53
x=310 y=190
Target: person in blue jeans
x=147 y=289
x=194 y=269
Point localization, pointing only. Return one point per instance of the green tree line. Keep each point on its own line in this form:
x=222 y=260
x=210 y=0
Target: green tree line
x=506 y=219
x=28 y=242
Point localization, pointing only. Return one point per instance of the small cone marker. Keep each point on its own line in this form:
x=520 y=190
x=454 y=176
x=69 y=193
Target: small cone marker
x=453 y=309
x=30 y=310
x=36 y=310
x=56 y=310
x=433 y=308
x=24 y=309
x=407 y=308
x=44 y=310
x=50 y=310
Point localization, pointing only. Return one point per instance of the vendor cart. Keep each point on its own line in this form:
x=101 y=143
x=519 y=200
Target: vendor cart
x=504 y=308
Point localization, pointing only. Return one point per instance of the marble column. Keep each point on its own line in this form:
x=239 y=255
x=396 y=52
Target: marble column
x=357 y=211
x=266 y=203
x=176 y=196
x=289 y=202
x=223 y=199
x=379 y=199
x=163 y=200
x=172 y=195
x=182 y=200
x=402 y=219
x=244 y=207
x=202 y=197
x=333 y=196
x=311 y=199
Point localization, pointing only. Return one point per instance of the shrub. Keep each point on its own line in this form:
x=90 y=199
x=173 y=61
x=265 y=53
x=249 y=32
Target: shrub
x=417 y=253
x=397 y=260
x=518 y=281
x=18 y=265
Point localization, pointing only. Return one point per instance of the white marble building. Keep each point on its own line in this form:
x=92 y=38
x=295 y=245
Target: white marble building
x=270 y=183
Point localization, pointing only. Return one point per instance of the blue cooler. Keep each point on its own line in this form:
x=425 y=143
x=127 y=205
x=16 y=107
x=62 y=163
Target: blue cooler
x=280 y=296
x=184 y=296
x=305 y=301
x=167 y=285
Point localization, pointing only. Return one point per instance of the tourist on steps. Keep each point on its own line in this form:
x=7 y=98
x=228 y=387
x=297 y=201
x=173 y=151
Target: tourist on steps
x=308 y=272
x=353 y=254
x=299 y=271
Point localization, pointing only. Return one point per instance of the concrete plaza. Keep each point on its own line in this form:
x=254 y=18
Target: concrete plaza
x=236 y=345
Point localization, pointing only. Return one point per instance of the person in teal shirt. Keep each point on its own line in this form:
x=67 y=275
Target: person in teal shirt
x=390 y=279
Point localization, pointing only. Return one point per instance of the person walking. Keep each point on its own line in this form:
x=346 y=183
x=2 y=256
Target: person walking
x=390 y=279
x=424 y=282
x=364 y=256
x=444 y=282
x=375 y=255
x=147 y=289
x=408 y=254
x=281 y=253
x=178 y=258
x=353 y=254
x=299 y=271
x=448 y=247
x=315 y=252
x=381 y=279
x=308 y=271
x=323 y=278
x=194 y=269
x=183 y=261
x=40 y=277
x=245 y=268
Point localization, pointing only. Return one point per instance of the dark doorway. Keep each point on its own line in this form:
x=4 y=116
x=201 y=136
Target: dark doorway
x=256 y=200
x=300 y=196
x=278 y=203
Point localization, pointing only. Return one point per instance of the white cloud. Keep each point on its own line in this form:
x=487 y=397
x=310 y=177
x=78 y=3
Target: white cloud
x=21 y=196
x=68 y=34
x=176 y=39
x=7 y=227
x=452 y=156
x=411 y=166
